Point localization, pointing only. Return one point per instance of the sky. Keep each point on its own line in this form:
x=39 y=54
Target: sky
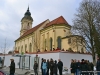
x=12 y=11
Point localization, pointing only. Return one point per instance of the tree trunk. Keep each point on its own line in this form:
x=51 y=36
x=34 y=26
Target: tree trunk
x=94 y=60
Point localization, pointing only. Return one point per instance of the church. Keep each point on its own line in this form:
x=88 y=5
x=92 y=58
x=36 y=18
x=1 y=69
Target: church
x=48 y=39
x=47 y=36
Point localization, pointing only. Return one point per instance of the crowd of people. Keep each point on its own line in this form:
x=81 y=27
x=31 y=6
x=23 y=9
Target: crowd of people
x=53 y=66
x=76 y=67
x=79 y=68
x=84 y=67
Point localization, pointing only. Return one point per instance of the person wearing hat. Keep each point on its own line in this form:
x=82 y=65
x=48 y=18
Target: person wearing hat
x=12 y=67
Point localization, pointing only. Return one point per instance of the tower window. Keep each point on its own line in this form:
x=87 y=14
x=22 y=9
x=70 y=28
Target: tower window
x=28 y=26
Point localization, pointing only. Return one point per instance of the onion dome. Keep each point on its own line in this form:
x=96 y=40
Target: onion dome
x=27 y=15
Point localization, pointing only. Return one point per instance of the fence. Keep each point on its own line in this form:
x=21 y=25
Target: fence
x=89 y=72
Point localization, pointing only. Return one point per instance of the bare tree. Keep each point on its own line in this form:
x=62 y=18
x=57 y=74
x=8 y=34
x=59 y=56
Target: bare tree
x=76 y=42
x=4 y=49
x=10 y=52
x=87 y=24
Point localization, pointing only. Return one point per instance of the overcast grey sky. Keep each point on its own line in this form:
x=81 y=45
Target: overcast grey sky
x=12 y=11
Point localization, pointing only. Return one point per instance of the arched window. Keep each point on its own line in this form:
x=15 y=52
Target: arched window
x=22 y=49
x=69 y=40
x=51 y=43
x=82 y=50
x=45 y=43
x=25 y=47
x=30 y=48
x=18 y=48
x=59 y=42
x=28 y=26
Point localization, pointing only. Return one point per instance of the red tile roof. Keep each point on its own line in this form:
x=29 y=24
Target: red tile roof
x=32 y=30
x=59 y=20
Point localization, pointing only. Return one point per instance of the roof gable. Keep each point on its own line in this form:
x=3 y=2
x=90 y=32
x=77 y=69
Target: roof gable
x=59 y=20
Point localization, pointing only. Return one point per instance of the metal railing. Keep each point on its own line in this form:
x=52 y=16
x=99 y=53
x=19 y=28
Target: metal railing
x=88 y=72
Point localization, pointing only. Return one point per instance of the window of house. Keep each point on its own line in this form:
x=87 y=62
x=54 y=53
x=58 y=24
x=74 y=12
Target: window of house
x=25 y=47
x=18 y=48
x=30 y=47
x=81 y=41
x=28 y=26
x=69 y=40
x=82 y=50
x=45 y=43
x=22 y=49
x=51 y=43
x=59 y=42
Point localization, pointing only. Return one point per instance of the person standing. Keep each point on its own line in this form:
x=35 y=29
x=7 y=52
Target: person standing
x=55 y=68
x=60 y=66
x=72 y=67
x=51 y=66
x=12 y=67
x=44 y=67
x=98 y=65
x=48 y=67
x=35 y=67
x=83 y=67
x=75 y=63
x=78 y=67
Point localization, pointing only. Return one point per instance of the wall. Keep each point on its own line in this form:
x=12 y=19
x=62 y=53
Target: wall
x=53 y=32
x=66 y=58
x=7 y=60
x=65 y=44
x=46 y=56
x=75 y=44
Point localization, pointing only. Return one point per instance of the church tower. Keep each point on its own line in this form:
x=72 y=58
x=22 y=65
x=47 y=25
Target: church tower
x=26 y=22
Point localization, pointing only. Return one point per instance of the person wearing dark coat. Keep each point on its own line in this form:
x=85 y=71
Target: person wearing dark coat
x=51 y=66
x=78 y=67
x=60 y=66
x=75 y=64
x=48 y=67
x=92 y=68
x=35 y=67
x=42 y=65
x=83 y=67
x=98 y=65
x=72 y=67
x=12 y=67
x=55 y=68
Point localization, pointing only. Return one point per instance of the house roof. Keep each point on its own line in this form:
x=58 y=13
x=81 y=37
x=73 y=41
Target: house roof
x=59 y=20
x=32 y=29
x=72 y=36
